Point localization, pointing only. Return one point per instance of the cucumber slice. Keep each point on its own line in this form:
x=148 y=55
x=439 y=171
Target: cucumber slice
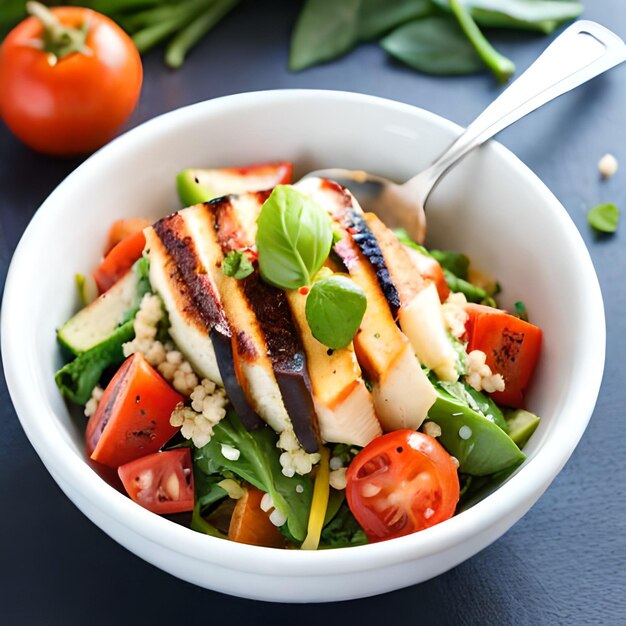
x=522 y=425
x=98 y=321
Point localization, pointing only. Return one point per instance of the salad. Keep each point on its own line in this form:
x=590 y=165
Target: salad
x=273 y=366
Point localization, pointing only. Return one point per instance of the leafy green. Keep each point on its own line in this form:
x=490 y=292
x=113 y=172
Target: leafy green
x=334 y=310
x=325 y=30
x=472 y=293
x=237 y=265
x=199 y=524
x=455 y=262
x=435 y=45
x=542 y=15
x=259 y=465
x=500 y=66
x=377 y=17
x=477 y=488
x=520 y=311
x=604 y=218
x=208 y=492
x=77 y=379
x=487 y=449
x=294 y=237
x=343 y=530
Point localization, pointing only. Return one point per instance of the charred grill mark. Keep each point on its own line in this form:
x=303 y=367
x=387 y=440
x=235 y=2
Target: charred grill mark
x=361 y=234
x=200 y=288
x=509 y=349
x=206 y=307
x=245 y=346
x=286 y=352
x=273 y=314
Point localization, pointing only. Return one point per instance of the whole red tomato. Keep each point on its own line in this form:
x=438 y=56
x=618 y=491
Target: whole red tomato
x=71 y=102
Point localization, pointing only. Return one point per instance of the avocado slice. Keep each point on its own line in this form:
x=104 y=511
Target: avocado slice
x=521 y=425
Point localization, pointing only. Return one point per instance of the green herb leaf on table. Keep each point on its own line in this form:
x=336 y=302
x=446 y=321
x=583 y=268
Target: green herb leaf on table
x=294 y=236
x=435 y=45
x=237 y=265
x=542 y=15
x=325 y=30
x=604 y=217
x=378 y=17
x=334 y=310
x=258 y=464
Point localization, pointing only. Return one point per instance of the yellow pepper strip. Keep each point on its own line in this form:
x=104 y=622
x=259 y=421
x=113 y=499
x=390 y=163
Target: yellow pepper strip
x=321 y=491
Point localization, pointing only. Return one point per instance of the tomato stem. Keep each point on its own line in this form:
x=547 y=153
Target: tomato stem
x=58 y=40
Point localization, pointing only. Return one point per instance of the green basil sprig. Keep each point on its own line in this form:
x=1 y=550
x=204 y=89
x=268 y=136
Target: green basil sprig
x=294 y=236
x=237 y=265
x=334 y=310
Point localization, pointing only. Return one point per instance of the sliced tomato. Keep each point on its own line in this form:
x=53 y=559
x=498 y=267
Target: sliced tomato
x=251 y=524
x=160 y=482
x=133 y=416
x=121 y=229
x=512 y=347
x=119 y=260
x=401 y=483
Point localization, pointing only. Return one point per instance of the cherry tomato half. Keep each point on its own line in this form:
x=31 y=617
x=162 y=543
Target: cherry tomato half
x=133 y=416
x=119 y=260
x=121 y=229
x=401 y=483
x=72 y=104
x=512 y=347
x=160 y=482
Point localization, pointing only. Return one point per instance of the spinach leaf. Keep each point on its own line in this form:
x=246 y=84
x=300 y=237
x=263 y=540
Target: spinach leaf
x=477 y=488
x=77 y=379
x=435 y=45
x=294 y=237
x=258 y=464
x=377 y=17
x=542 y=15
x=334 y=310
x=455 y=262
x=604 y=218
x=343 y=530
x=208 y=492
x=481 y=447
x=325 y=30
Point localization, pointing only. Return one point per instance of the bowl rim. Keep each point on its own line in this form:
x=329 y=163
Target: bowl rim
x=47 y=435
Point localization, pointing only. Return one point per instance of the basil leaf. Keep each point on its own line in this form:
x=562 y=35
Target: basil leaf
x=604 y=218
x=237 y=265
x=378 y=17
x=325 y=30
x=435 y=45
x=334 y=310
x=542 y=15
x=294 y=236
x=258 y=464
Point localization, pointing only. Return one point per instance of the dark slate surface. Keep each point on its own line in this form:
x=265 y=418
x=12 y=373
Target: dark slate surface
x=564 y=563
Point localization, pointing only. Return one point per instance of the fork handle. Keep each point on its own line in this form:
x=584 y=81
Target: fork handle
x=583 y=51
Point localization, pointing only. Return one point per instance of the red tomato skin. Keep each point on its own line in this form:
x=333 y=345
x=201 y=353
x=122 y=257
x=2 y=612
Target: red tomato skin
x=512 y=347
x=77 y=105
x=282 y=170
x=123 y=228
x=418 y=478
x=133 y=416
x=160 y=466
x=119 y=260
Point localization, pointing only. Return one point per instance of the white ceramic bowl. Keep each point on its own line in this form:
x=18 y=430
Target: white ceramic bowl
x=491 y=207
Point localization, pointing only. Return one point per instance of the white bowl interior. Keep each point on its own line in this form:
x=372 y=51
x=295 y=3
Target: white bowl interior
x=490 y=206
